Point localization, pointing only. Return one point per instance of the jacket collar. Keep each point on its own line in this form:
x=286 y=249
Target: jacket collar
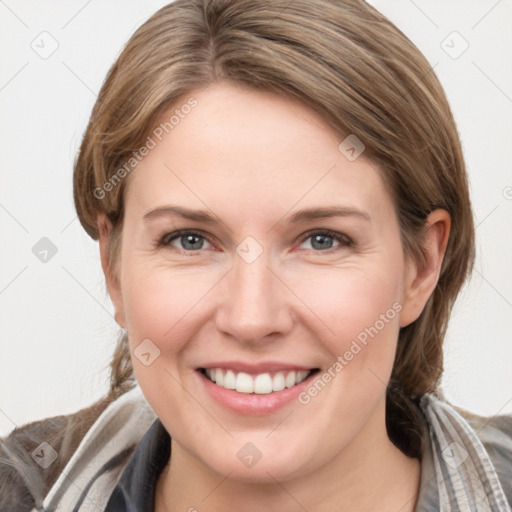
x=135 y=491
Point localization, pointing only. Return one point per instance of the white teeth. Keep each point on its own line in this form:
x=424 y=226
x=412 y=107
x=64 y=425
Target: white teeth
x=301 y=376
x=244 y=383
x=278 y=382
x=289 y=381
x=261 y=384
x=230 y=380
x=219 y=377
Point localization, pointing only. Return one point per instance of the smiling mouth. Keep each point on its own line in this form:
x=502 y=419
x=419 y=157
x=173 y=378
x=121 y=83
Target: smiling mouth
x=260 y=384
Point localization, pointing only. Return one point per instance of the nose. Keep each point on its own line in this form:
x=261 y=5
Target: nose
x=256 y=306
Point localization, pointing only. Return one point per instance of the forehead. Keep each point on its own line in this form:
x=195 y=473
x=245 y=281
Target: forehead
x=252 y=151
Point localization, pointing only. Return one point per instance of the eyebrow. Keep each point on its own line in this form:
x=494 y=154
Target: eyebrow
x=179 y=211
x=326 y=212
x=300 y=216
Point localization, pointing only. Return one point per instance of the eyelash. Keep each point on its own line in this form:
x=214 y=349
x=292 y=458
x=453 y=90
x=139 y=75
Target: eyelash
x=344 y=240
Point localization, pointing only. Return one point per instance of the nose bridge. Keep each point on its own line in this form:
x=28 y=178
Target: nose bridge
x=254 y=305
x=252 y=282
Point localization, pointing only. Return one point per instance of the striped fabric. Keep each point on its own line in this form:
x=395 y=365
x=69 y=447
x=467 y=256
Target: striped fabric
x=465 y=475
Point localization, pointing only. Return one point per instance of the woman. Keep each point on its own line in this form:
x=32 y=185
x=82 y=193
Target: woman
x=282 y=210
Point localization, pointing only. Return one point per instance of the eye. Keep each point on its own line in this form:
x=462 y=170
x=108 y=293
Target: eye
x=322 y=241
x=193 y=241
x=189 y=241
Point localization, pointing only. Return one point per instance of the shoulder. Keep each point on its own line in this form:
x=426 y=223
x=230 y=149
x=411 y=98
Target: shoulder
x=495 y=433
x=27 y=470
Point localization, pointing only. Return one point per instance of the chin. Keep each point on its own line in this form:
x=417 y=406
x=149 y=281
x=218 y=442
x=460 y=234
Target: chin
x=262 y=461
x=263 y=472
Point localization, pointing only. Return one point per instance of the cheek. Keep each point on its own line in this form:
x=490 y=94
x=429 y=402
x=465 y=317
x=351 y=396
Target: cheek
x=355 y=304
x=163 y=306
x=158 y=303
x=360 y=312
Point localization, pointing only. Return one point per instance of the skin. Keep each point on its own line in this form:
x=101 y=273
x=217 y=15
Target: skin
x=252 y=159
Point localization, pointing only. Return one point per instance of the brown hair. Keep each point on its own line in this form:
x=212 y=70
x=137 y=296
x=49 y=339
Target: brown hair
x=352 y=66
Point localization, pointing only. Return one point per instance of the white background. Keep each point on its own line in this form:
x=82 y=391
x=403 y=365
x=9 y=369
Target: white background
x=57 y=331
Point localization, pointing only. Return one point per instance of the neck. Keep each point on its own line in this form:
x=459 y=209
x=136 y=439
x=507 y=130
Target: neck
x=370 y=474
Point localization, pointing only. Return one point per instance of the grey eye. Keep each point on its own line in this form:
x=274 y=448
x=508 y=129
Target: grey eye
x=188 y=241
x=324 y=241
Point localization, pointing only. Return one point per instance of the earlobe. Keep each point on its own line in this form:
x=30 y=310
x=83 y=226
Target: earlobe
x=421 y=278
x=114 y=290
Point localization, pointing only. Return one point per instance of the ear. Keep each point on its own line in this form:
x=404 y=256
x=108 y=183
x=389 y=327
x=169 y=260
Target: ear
x=421 y=278
x=112 y=280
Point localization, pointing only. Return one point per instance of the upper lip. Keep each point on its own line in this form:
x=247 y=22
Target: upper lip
x=255 y=368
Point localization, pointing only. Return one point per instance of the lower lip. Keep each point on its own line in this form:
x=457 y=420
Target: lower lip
x=252 y=404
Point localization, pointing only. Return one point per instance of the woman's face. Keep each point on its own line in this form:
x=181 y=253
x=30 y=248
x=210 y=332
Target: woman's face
x=254 y=252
